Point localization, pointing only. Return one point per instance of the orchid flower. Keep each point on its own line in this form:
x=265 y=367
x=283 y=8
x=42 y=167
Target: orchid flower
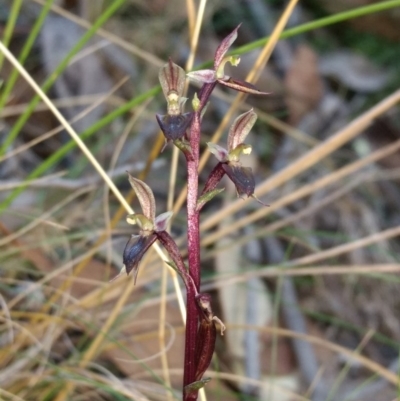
x=150 y=227
x=217 y=74
x=175 y=123
x=229 y=159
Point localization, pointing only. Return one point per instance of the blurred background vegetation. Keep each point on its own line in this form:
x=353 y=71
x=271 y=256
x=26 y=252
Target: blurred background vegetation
x=308 y=288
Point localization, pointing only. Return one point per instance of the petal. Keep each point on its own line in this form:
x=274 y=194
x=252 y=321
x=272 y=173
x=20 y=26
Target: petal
x=172 y=79
x=174 y=127
x=134 y=252
x=242 y=177
x=145 y=197
x=218 y=151
x=224 y=47
x=241 y=86
x=202 y=76
x=240 y=128
x=162 y=221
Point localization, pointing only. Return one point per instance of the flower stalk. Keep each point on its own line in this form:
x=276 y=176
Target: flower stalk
x=184 y=131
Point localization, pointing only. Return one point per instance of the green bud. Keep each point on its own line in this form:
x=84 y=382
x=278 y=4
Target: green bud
x=195 y=102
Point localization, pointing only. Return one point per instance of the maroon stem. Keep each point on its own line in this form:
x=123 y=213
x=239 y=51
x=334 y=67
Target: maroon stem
x=193 y=237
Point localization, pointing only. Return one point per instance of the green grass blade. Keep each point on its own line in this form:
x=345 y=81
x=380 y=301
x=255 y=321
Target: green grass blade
x=24 y=52
x=12 y=19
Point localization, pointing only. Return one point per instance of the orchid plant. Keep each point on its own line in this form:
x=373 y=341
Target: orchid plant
x=183 y=129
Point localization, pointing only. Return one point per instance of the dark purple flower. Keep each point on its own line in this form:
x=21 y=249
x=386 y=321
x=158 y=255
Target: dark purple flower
x=175 y=123
x=149 y=225
x=229 y=158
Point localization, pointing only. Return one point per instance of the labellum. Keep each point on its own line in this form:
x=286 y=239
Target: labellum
x=134 y=251
x=242 y=177
x=174 y=126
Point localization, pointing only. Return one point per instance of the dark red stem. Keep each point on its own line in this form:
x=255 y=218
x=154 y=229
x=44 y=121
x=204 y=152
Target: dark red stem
x=193 y=237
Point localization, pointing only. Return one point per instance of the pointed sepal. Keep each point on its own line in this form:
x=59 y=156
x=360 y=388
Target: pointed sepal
x=240 y=129
x=241 y=86
x=224 y=47
x=145 y=197
x=172 y=79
